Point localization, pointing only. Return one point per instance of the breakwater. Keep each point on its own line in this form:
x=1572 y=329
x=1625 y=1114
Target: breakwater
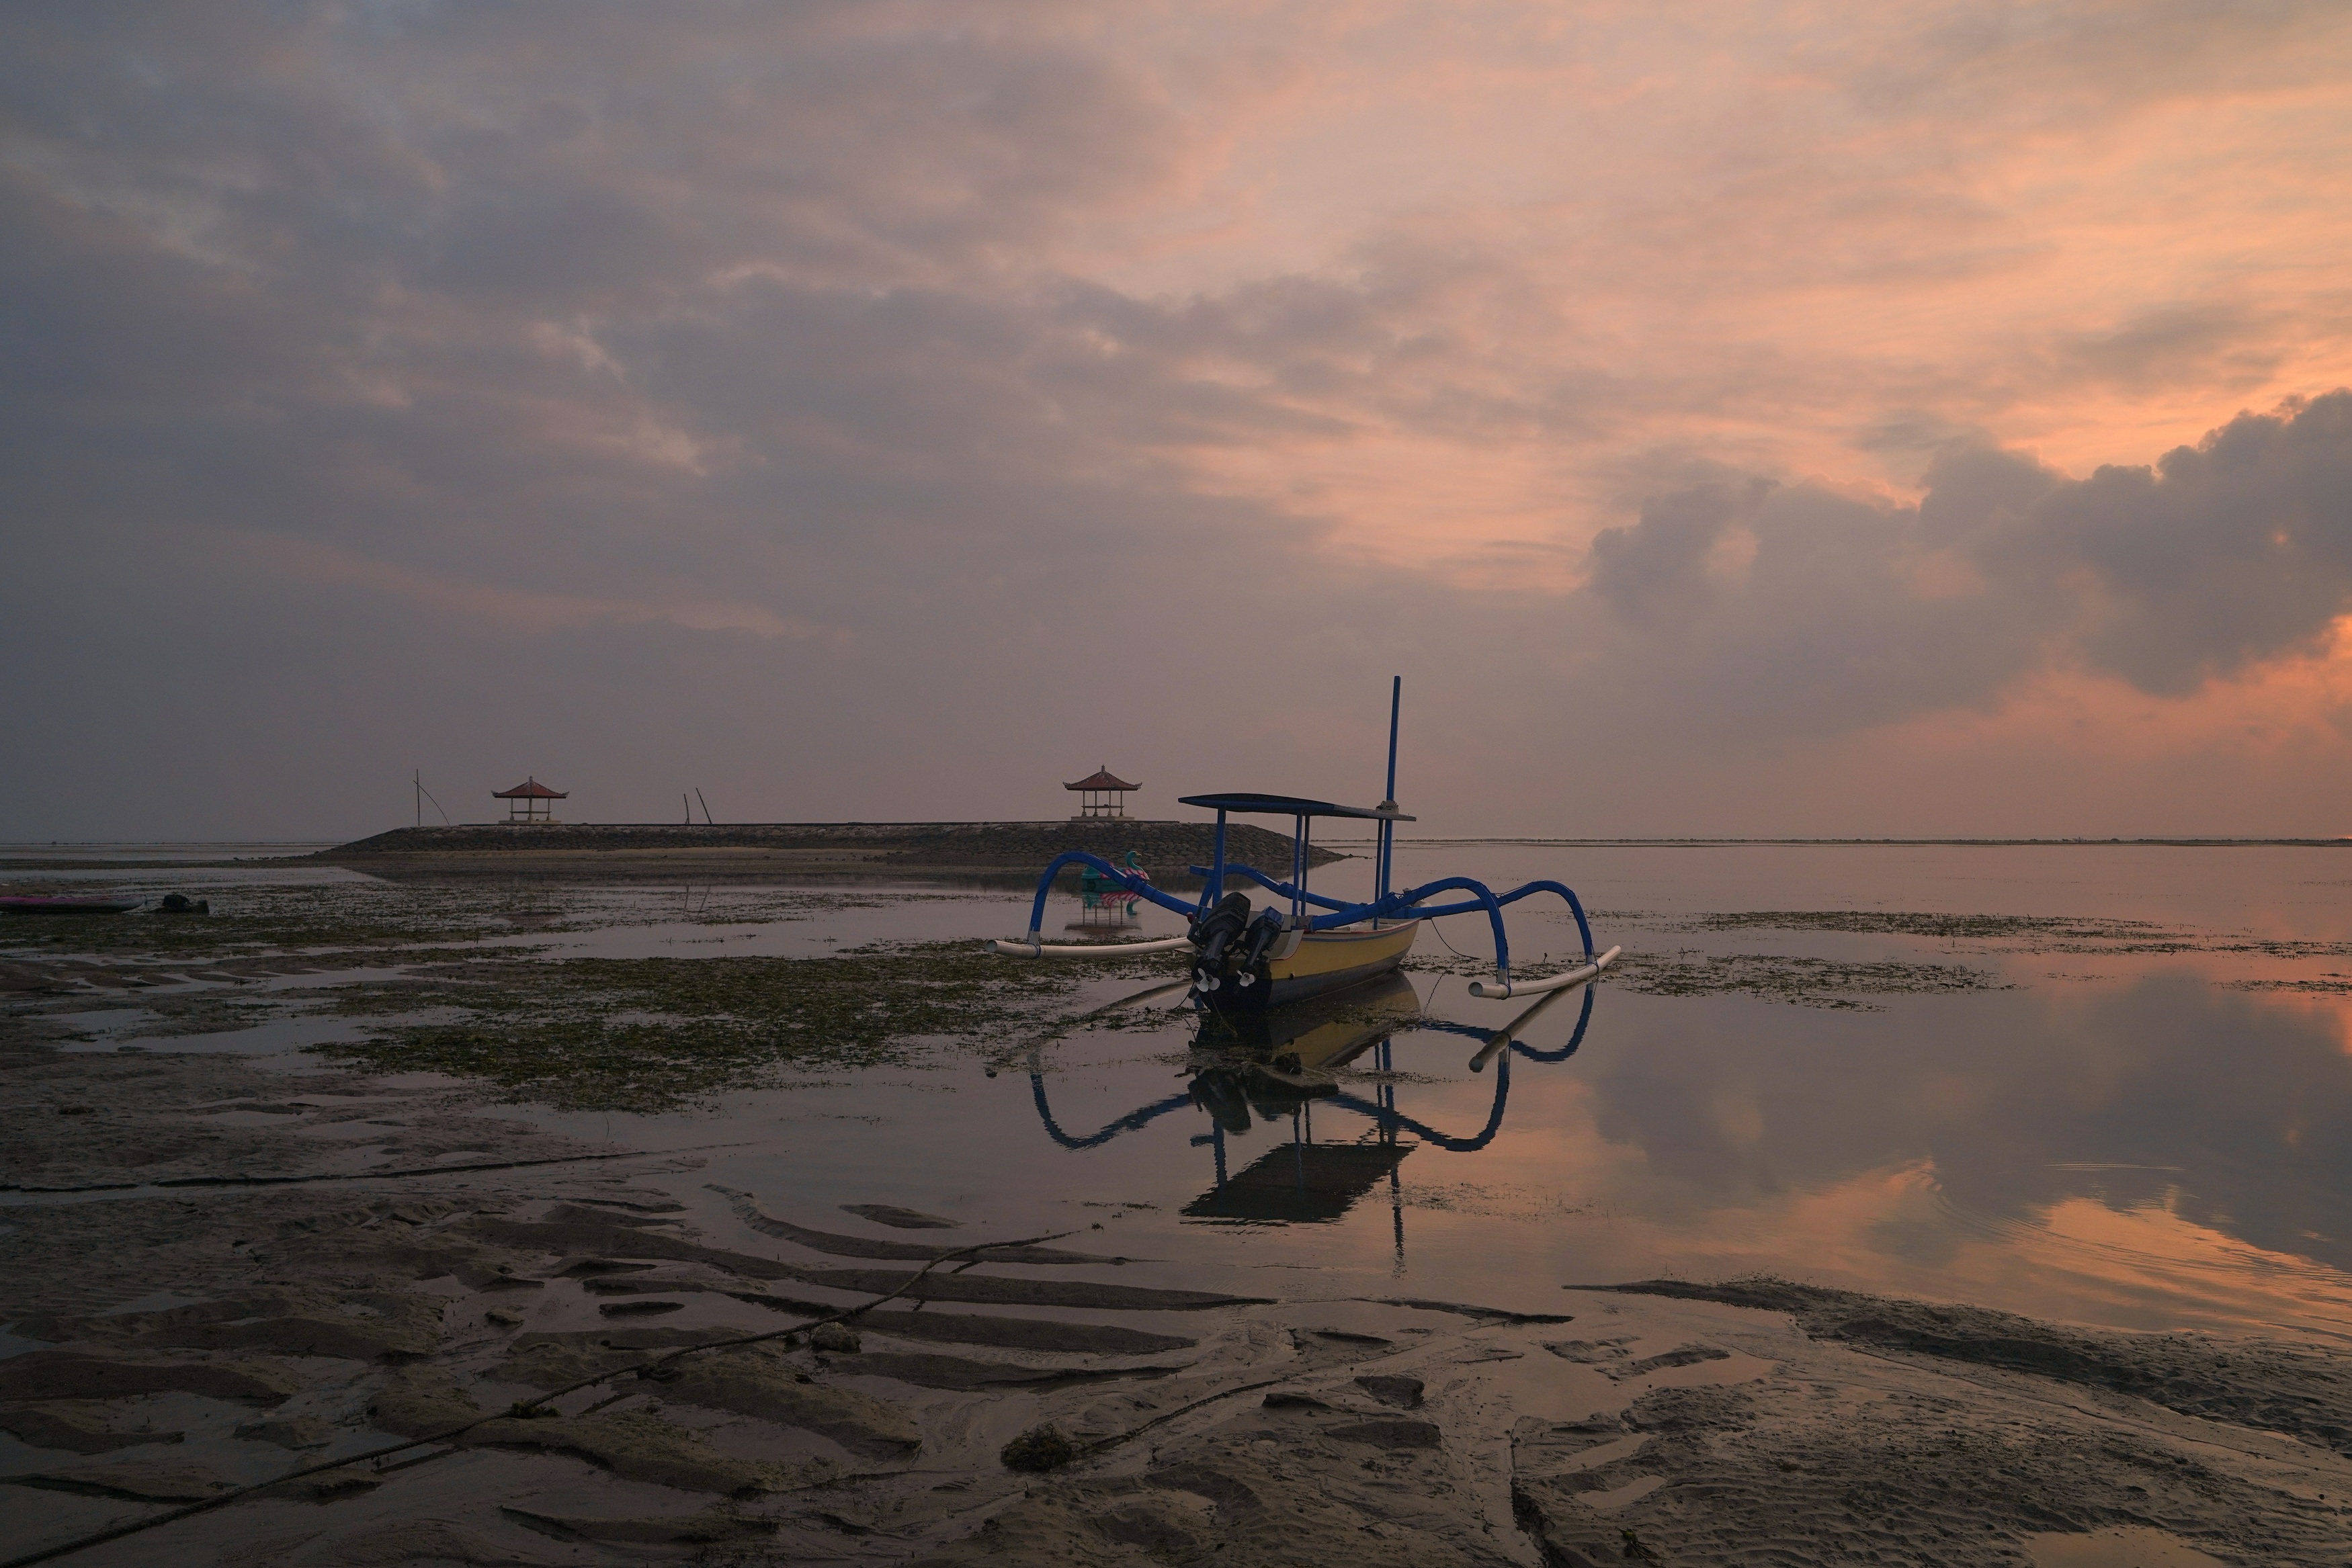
x=881 y=851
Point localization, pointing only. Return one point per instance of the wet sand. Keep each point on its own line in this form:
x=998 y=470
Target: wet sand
x=411 y=1319
x=260 y=1303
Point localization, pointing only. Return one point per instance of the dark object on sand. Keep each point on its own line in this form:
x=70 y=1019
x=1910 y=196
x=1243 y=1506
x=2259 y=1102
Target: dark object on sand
x=890 y=1213
x=181 y=903
x=1039 y=1448
x=28 y=903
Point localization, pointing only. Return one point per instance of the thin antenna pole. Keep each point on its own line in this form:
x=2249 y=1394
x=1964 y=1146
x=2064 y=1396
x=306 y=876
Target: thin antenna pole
x=1396 y=703
x=1388 y=825
x=706 y=808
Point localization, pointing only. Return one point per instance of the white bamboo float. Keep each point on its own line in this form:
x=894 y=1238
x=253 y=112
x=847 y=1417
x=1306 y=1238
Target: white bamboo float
x=1029 y=948
x=1582 y=975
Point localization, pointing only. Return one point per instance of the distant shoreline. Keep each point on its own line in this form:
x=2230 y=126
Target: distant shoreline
x=1011 y=851
x=1694 y=844
x=901 y=850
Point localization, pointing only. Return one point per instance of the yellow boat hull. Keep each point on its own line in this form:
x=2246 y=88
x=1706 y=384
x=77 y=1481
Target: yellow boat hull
x=1323 y=961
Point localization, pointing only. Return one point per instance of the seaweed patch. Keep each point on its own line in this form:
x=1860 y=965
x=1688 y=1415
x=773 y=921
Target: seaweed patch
x=1805 y=982
x=2038 y=928
x=654 y=1033
x=2328 y=985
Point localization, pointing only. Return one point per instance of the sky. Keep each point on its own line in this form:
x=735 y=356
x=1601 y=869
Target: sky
x=1742 y=418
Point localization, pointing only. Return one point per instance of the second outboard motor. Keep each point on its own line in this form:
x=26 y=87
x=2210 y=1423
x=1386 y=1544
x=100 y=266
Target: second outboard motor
x=1215 y=932
x=1221 y=1094
x=1261 y=935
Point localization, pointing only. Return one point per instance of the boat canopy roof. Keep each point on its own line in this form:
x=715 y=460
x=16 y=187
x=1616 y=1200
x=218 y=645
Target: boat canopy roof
x=1290 y=806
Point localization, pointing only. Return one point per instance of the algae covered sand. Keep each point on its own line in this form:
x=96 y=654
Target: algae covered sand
x=480 y=983
x=647 y=1034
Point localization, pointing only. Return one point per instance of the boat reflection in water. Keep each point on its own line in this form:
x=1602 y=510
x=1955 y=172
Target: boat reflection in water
x=1282 y=1066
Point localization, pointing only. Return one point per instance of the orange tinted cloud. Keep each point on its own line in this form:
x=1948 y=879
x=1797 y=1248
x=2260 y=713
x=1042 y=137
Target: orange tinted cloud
x=1328 y=337
x=1807 y=242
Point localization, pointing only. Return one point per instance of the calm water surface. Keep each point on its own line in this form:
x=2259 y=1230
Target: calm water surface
x=2142 y=1118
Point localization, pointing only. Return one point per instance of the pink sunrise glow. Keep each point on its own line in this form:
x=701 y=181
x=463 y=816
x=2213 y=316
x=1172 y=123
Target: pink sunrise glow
x=1704 y=407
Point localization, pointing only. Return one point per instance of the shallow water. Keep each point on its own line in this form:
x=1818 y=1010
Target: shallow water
x=2137 y=1118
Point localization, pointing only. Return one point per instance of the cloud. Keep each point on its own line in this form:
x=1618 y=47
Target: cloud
x=1845 y=614
x=2232 y=551
x=2197 y=345
x=306 y=562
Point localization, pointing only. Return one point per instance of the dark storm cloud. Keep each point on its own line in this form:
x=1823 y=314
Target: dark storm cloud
x=1798 y=607
x=2225 y=553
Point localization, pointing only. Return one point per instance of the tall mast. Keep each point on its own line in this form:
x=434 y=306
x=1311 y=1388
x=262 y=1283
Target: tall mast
x=1388 y=802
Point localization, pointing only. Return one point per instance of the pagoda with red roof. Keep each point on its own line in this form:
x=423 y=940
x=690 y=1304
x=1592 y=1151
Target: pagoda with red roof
x=529 y=801
x=1102 y=795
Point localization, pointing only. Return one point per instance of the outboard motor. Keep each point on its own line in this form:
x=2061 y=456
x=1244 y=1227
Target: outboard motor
x=1213 y=933
x=1261 y=935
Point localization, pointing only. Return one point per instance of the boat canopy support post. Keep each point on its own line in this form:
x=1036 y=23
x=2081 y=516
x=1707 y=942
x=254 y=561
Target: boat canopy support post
x=1214 y=893
x=1298 y=858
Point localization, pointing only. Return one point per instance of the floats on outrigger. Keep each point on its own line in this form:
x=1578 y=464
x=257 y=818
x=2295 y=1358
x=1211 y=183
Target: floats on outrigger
x=1303 y=944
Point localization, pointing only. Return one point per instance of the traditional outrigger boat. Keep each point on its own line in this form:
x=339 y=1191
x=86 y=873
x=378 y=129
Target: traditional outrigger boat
x=1247 y=960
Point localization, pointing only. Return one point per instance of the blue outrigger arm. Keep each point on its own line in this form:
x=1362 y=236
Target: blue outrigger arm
x=1396 y=907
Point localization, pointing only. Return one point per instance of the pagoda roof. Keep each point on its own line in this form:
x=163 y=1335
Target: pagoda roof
x=530 y=790
x=1102 y=779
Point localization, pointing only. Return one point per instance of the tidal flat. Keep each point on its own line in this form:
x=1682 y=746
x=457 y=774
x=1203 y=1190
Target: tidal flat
x=1942 y=1204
